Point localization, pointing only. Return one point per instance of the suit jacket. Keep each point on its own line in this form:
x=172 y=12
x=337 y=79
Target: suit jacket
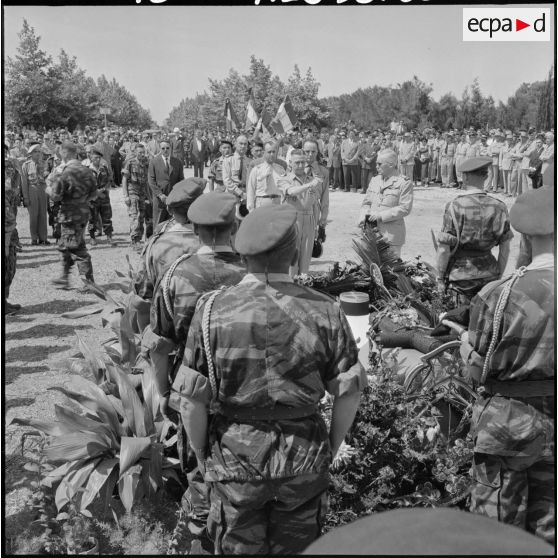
x=160 y=181
x=213 y=149
x=198 y=156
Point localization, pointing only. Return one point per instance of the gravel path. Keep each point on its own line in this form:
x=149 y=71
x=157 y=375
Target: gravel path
x=39 y=342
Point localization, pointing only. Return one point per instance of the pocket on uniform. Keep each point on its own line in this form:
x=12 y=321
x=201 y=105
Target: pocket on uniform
x=486 y=470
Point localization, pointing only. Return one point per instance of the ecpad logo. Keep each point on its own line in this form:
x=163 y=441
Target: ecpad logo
x=506 y=24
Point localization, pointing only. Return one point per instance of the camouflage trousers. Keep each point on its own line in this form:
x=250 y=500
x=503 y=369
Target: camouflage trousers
x=278 y=516
x=516 y=490
x=140 y=214
x=53 y=208
x=100 y=209
x=9 y=264
x=73 y=248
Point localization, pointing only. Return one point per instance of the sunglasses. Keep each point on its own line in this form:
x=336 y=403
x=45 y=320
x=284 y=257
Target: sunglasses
x=165 y=148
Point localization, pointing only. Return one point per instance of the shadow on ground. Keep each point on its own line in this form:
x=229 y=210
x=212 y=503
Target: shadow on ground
x=33 y=353
x=44 y=330
x=55 y=306
x=34 y=264
x=12 y=373
x=11 y=403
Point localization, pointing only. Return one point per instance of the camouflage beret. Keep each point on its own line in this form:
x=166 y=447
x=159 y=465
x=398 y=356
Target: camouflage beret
x=186 y=191
x=474 y=164
x=213 y=209
x=265 y=229
x=533 y=212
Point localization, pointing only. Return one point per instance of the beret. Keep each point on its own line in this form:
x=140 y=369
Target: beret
x=96 y=151
x=533 y=212
x=186 y=191
x=213 y=209
x=474 y=163
x=33 y=147
x=266 y=228
x=419 y=531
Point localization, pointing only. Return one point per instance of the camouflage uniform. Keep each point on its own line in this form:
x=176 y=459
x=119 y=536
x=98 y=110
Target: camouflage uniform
x=100 y=207
x=52 y=207
x=483 y=223
x=74 y=185
x=139 y=210
x=11 y=238
x=269 y=477
x=514 y=459
x=216 y=174
x=202 y=272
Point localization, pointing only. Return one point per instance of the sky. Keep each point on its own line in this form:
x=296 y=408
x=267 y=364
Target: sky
x=164 y=54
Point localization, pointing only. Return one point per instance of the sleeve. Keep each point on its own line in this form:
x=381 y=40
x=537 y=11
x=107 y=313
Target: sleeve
x=24 y=184
x=481 y=320
x=57 y=190
x=405 y=203
x=161 y=322
x=324 y=202
x=345 y=374
x=180 y=170
x=367 y=201
x=507 y=233
x=227 y=175
x=448 y=234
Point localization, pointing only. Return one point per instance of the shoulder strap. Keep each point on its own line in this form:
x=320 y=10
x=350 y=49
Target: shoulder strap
x=457 y=231
x=167 y=279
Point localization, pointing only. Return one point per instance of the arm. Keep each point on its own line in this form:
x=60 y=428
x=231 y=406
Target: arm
x=324 y=203
x=503 y=256
x=342 y=416
x=366 y=206
x=442 y=260
x=25 y=186
x=195 y=418
x=251 y=191
x=403 y=208
x=152 y=180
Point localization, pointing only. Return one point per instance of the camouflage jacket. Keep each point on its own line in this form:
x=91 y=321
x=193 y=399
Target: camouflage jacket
x=74 y=186
x=483 y=223
x=524 y=351
x=136 y=172
x=169 y=241
x=102 y=176
x=204 y=271
x=280 y=343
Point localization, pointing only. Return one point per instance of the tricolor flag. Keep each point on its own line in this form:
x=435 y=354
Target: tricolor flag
x=231 y=121
x=264 y=125
x=251 y=114
x=285 y=118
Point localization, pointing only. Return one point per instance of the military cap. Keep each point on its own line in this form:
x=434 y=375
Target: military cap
x=186 y=191
x=407 y=135
x=213 y=209
x=95 y=151
x=33 y=147
x=474 y=164
x=533 y=212
x=422 y=532
x=265 y=229
x=223 y=142
x=509 y=136
x=176 y=130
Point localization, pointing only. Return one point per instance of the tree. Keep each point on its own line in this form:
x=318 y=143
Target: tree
x=545 y=114
x=189 y=113
x=303 y=92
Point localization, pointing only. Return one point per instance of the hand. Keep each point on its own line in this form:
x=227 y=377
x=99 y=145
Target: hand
x=127 y=201
x=162 y=198
x=321 y=234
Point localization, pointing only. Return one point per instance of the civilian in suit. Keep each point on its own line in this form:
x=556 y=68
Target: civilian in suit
x=213 y=146
x=334 y=162
x=198 y=153
x=164 y=172
x=177 y=145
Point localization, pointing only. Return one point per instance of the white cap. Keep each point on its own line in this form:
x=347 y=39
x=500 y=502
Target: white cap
x=176 y=130
x=34 y=147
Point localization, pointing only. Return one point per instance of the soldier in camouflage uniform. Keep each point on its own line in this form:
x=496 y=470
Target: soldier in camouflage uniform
x=74 y=186
x=9 y=253
x=213 y=265
x=135 y=190
x=510 y=351
x=99 y=207
x=276 y=348
x=473 y=224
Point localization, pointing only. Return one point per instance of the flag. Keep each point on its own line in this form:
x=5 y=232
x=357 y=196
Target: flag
x=231 y=121
x=264 y=125
x=251 y=114
x=285 y=118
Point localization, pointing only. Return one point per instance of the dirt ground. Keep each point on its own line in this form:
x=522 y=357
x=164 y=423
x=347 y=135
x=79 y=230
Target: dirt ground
x=38 y=341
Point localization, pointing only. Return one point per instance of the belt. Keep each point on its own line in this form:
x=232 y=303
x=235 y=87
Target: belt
x=278 y=412
x=520 y=390
x=270 y=196
x=464 y=253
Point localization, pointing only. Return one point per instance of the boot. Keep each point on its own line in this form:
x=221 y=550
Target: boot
x=62 y=282
x=110 y=240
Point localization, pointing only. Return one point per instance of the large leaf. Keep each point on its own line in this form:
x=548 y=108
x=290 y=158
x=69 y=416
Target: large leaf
x=99 y=476
x=129 y=487
x=72 y=482
x=80 y=445
x=96 y=363
x=152 y=470
x=131 y=403
x=50 y=428
x=82 y=312
x=128 y=339
x=131 y=450
x=83 y=423
x=59 y=473
x=150 y=397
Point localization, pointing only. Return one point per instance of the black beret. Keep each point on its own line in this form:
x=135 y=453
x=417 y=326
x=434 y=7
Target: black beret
x=186 y=191
x=226 y=142
x=95 y=151
x=213 y=209
x=266 y=228
x=474 y=164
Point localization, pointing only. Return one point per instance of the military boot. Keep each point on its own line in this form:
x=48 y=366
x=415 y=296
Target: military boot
x=62 y=282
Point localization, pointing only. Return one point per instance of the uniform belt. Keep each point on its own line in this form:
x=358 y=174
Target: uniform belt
x=464 y=253
x=279 y=412
x=271 y=196
x=520 y=390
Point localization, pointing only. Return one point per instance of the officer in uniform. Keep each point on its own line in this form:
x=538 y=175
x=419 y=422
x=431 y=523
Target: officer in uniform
x=388 y=200
x=174 y=301
x=135 y=190
x=260 y=356
x=74 y=187
x=473 y=224
x=447 y=158
x=100 y=207
x=262 y=186
x=510 y=351
x=216 y=168
x=34 y=198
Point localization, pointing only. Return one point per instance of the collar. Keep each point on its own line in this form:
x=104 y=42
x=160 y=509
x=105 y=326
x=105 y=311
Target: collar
x=178 y=227
x=542 y=261
x=271 y=277
x=471 y=191
x=293 y=176
x=212 y=250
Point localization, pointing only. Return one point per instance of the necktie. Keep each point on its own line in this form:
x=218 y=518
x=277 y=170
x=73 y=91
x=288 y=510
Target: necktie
x=241 y=169
x=167 y=164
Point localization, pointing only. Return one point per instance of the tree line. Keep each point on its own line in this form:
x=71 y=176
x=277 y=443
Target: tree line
x=42 y=93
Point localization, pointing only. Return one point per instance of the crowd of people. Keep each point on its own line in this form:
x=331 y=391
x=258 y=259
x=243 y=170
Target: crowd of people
x=244 y=355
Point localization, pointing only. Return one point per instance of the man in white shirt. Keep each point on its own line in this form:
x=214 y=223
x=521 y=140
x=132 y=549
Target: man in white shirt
x=261 y=188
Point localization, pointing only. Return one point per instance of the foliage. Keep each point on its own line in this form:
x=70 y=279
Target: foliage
x=42 y=93
x=402 y=457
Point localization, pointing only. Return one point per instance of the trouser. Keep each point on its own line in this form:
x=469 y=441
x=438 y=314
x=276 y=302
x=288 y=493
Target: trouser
x=424 y=168
x=434 y=171
x=526 y=182
x=38 y=213
x=407 y=169
x=337 y=177
x=507 y=182
x=100 y=209
x=53 y=209
x=516 y=490
x=364 y=178
x=396 y=250
x=495 y=177
x=350 y=173
x=136 y=213
x=306 y=223
x=73 y=248
x=515 y=180
x=198 y=169
x=330 y=175
x=446 y=170
x=278 y=516
x=159 y=213
x=9 y=261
